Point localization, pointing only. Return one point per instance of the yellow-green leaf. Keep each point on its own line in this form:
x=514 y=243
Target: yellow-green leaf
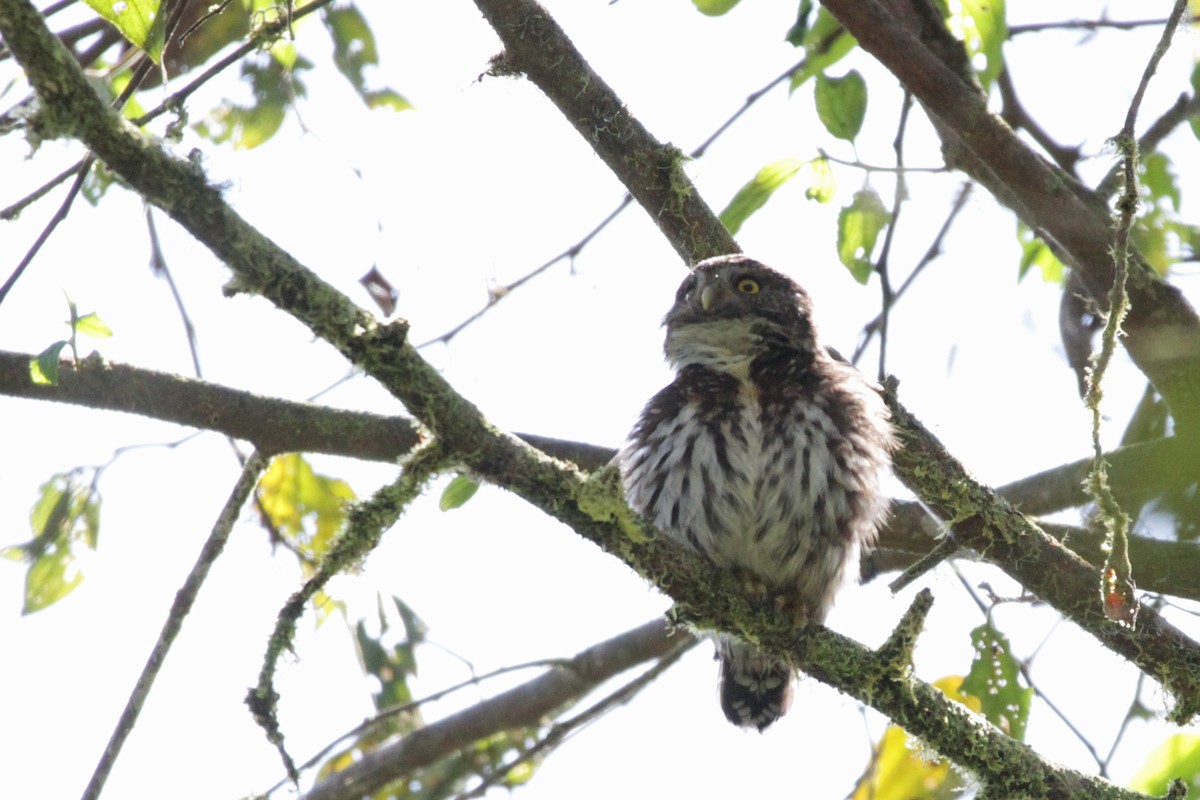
x=139 y=21
x=1036 y=253
x=1177 y=757
x=842 y=103
x=822 y=186
x=457 y=492
x=825 y=43
x=354 y=49
x=50 y=579
x=43 y=368
x=996 y=680
x=714 y=8
x=755 y=193
x=983 y=27
x=92 y=325
x=859 y=225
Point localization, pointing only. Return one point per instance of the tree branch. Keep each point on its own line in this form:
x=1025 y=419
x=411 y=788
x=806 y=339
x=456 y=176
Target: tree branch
x=593 y=506
x=1162 y=329
x=535 y=46
x=525 y=706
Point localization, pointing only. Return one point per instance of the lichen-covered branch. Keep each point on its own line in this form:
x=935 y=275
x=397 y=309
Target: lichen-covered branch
x=704 y=596
x=999 y=533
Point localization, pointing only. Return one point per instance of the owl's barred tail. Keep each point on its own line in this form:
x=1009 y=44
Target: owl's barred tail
x=754 y=692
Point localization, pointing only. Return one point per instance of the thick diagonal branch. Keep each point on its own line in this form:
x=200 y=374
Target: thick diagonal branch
x=591 y=506
x=1162 y=331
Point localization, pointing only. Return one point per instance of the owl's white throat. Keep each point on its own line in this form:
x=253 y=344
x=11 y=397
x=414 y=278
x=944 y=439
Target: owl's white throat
x=728 y=345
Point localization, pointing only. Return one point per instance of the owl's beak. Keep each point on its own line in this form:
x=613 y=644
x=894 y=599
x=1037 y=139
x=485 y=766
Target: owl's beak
x=708 y=295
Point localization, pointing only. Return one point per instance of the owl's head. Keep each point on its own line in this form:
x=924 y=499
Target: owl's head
x=732 y=309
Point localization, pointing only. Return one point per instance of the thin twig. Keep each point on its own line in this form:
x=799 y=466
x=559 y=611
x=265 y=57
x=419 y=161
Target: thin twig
x=13 y=211
x=1023 y=668
x=574 y=250
x=158 y=264
x=184 y=600
x=561 y=731
x=61 y=214
x=1085 y=25
x=934 y=250
x=377 y=719
x=887 y=296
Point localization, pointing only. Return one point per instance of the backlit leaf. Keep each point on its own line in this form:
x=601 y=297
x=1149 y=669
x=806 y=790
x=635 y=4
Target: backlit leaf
x=1036 y=253
x=1177 y=757
x=984 y=27
x=354 y=50
x=714 y=8
x=247 y=126
x=43 y=368
x=92 y=325
x=50 y=579
x=822 y=185
x=755 y=193
x=898 y=772
x=996 y=680
x=859 y=226
x=139 y=21
x=306 y=508
x=458 y=492
x=842 y=103
x=825 y=43
x=65 y=514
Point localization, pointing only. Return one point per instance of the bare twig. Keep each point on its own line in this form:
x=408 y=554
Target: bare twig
x=184 y=600
x=523 y=706
x=56 y=219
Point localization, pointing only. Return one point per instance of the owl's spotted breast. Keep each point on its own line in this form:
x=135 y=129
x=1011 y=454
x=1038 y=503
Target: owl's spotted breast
x=763 y=455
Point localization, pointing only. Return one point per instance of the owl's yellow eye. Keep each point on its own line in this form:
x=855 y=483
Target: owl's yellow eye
x=747 y=286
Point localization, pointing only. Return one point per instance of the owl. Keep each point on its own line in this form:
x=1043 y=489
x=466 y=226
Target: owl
x=763 y=455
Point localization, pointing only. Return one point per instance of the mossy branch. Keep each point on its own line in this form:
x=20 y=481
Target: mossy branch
x=703 y=594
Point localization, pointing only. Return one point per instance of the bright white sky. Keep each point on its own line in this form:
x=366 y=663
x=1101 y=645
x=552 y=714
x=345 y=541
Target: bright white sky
x=483 y=182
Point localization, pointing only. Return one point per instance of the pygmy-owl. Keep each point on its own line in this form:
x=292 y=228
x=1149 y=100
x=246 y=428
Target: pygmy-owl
x=764 y=455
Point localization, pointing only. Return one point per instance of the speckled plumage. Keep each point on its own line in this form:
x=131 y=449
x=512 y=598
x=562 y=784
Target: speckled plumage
x=764 y=455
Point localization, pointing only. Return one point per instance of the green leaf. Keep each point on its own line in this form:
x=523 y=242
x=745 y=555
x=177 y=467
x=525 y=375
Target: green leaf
x=859 y=225
x=43 y=368
x=50 y=579
x=714 y=8
x=1158 y=177
x=842 y=103
x=984 y=28
x=354 y=50
x=799 y=30
x=1177 y=757
x=1036 y=253
x=822 y=186
x=1194 y=120
x=139 y=21
x=65 y=513
x=755 y=193
x=995 y=679
x=825 y=43
x=458 y=492
x=386 y=98
x=92 y=325
x=274 y=86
